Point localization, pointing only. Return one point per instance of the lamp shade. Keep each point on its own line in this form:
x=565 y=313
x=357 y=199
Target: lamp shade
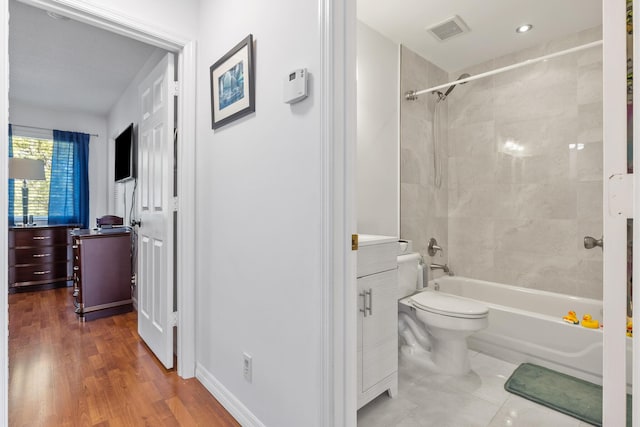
x=26 y=168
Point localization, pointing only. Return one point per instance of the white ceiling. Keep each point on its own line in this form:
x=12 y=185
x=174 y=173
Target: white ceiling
x=68 y=65
x=492 y=24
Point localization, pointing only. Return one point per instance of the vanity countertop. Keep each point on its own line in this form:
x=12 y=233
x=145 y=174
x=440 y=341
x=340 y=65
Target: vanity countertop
x=373 y=239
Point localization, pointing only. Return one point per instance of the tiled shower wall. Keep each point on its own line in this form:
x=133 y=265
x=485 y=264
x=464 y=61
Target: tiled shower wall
x=423 y=207
x=524 y=173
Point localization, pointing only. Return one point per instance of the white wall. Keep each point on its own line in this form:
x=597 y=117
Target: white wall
x=74 y=121
x=258 y=219
x=124 y=112
x=378 y=134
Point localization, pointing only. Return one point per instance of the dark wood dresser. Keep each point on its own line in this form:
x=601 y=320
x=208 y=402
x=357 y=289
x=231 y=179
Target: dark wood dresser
x=102 y=272
x=39 y=257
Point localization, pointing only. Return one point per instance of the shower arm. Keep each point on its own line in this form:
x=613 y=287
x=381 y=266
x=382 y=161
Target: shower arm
x=412 y=95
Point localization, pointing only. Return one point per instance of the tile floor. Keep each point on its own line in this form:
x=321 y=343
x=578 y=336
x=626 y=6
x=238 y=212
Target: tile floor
x=477 y=399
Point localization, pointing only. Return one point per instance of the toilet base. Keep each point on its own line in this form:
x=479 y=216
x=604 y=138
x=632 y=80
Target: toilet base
x=445 y=362
x=450 y=356
x=419 y=356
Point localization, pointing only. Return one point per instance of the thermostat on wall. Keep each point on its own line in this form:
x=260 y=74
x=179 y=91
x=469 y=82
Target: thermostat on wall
x=295 y=86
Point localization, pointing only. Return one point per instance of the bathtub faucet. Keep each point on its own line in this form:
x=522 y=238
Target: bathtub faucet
x=444 y=267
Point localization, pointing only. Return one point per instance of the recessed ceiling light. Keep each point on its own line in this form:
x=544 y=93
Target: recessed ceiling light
x=524 y=28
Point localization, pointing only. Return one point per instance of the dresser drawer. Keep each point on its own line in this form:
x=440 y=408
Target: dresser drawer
x=39 y=255
x=41 y=237
x=41 y=273
x=12 y=257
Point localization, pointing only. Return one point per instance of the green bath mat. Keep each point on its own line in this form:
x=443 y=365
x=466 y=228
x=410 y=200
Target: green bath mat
x=564 y=393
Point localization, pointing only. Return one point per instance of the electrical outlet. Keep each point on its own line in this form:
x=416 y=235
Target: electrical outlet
x=246 y=366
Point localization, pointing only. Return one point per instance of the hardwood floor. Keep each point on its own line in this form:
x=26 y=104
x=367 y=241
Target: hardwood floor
x=63 y=372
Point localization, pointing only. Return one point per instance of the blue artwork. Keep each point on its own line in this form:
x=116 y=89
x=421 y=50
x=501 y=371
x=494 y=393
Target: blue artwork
x=231 y=85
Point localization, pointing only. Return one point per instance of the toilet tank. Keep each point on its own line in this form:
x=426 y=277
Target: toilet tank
x=409 y=272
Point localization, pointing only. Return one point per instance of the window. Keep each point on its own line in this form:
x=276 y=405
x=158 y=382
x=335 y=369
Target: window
x=33 y=148
x=66 y=158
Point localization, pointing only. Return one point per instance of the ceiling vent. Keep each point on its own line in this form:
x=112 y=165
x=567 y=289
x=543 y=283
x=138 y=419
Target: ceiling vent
x=448 y=28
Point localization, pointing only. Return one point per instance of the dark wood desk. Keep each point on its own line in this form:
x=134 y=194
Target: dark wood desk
x=102 y=272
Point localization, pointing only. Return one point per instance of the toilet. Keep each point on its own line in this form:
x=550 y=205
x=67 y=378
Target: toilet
x=435 y=325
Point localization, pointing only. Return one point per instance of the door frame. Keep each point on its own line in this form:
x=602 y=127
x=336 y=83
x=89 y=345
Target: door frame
x=185 y=48
x=635 y=374
x=339 y=221
x=614 y=217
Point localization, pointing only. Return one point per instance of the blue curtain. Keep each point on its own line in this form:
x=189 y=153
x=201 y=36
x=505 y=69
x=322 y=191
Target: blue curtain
x=69 y=186
x=11 y=182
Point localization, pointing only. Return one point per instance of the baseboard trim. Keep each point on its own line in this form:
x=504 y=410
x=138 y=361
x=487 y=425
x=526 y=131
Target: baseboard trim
x=227 y=399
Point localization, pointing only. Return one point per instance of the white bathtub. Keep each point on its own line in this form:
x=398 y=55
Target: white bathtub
x=526 y=325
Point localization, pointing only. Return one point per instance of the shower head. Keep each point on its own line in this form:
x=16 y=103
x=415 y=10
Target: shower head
x=450 y=88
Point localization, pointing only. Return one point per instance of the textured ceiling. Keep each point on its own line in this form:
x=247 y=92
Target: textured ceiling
x=68 y=65
x=492 y=24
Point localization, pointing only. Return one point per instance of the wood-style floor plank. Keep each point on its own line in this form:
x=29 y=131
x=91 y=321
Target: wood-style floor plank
x=63 y=372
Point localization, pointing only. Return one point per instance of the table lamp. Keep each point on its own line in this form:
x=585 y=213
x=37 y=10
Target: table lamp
x=25 y=169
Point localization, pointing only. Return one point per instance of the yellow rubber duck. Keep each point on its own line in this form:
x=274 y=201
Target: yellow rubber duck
x=588 y=322
x=571 y=318
x=629 y=327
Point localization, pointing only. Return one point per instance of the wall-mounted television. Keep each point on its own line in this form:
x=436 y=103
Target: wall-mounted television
x=125 y=163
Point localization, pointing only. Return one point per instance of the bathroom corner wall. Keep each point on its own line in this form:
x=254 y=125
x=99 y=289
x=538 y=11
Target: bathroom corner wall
x=423 y=207
x=525 y=171
x=378 y=162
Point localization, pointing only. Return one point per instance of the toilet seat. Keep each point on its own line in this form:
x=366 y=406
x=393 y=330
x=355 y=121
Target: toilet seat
x=447 y=305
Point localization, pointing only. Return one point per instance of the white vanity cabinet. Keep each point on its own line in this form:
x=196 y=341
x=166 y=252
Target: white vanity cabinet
x=377 y=317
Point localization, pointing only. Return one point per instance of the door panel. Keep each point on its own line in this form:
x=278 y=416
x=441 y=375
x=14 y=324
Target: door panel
x=155 y=269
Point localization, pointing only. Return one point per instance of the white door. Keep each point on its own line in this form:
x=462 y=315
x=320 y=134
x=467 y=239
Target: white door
x=155 y=208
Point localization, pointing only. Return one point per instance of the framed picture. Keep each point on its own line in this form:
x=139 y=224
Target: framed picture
x=232 y=84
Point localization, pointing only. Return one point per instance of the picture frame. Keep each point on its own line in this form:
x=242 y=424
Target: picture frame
x=233 y=84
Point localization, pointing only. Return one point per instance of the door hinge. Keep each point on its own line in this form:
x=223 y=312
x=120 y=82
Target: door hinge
x=174 y=204
x=175 y=87
x=173 y=319
x=620 y=195
x=354 y=242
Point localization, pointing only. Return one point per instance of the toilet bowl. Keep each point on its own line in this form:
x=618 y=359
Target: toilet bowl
x=448 y=321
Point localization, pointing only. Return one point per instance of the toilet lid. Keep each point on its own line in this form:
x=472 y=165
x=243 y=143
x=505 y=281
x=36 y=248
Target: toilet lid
x=448 y=305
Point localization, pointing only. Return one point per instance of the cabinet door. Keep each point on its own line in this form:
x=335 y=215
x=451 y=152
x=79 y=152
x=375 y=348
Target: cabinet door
x=380 y=327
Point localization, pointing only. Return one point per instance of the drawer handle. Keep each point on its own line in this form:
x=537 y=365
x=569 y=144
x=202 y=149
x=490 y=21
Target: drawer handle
x=366 y=309
x=41 y=255
x=40 y=273
x=364 y=303
x=75 y=246
x=41 y=237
